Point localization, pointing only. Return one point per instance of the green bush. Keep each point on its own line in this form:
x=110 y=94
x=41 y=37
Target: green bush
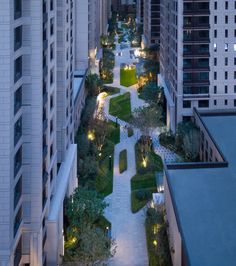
x=123 y=161
x=143 y=194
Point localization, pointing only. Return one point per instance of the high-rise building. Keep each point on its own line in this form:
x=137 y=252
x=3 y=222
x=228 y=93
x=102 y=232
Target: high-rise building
x=197 y=57
x=151 y=22
x=38 y=159
x=139 y=12
x=99 y=12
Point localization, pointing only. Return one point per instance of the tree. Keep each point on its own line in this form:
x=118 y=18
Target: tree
x=84 y=207
x=146 y=119
x=191 y=144
x=88 y=167
x=187 y=140
x=99 y=126
x=86 y=243
x=93 y=84
x=95 y=248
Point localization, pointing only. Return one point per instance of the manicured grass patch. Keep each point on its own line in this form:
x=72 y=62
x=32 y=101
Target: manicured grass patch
x=104 y=179
x=143 y=181
x=114 y=132
x=130 y=132
x=111 y=90
x=123 y=161
x=143 y=184
x=137 y=203
x=120 y=106
x=128 y=77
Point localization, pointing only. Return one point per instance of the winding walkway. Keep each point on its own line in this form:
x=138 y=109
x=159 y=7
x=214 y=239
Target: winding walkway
x=128 y=229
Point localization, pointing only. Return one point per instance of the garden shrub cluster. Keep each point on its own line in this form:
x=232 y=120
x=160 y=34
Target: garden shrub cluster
x=157 y=239
x=106 y=66
x=143 y=184
x=185 y=142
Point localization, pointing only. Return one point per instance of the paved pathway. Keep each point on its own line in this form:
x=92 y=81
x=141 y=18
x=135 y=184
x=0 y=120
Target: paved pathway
x=127 y=228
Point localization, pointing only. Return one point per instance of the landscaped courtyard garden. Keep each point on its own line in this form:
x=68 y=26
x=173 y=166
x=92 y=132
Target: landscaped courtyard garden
x=87 y=230
x=128 y=76
x=120 y=107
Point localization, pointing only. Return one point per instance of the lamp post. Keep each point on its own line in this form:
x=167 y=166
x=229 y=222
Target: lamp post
x=110 y=163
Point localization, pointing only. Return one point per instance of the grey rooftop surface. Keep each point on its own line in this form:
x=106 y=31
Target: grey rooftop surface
x=205 y=201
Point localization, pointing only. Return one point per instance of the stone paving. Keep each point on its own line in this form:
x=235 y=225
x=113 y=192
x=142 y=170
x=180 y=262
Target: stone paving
x=127 y=228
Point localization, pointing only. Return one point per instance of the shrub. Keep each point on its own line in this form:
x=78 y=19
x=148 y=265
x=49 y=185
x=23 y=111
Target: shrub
x=143 y=194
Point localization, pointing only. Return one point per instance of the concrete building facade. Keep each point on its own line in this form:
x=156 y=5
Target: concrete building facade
x=151 y=22
x=139 y=12
x=37 y=156
x=197 y=57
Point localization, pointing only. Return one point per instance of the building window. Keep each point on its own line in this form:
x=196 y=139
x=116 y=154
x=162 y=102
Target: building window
x=215 y=61
x=215 y=47
x=215 y=75
x=52 y=51
x=203 y=104
x=18 y=38
x=51 y=26
x=226 y=33
x=215 y=33
x=234 y=102
x=17 y=192
x=17 y=130
x=17 y=99
x=226 y=5
x=18 y=161
x=18 y=69
x=234 y=88
x=226 y=19
x=215 y=102
x=51 y=5
x=215 y=5
x=234 y=74
x=186 y=104
x=226 y=61
x=226 y=47
x=51 y=102
x=226 y=89
x=226 y=102
x=215 y=19
x=17 y=9
x=51 y=151
x=215 y=89
x=51 y=126
x=17 y=221
x=51 y=76
x=226 y=75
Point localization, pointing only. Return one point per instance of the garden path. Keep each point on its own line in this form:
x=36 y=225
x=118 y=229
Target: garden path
x=128 y=229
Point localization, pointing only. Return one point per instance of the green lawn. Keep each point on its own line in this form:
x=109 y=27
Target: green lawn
x=130 y=132
x=114 y=132
x=123 y=161
x=111 y=90
x=128 y=77
x=143 y=184
x=104 y=179
x=120 y=106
